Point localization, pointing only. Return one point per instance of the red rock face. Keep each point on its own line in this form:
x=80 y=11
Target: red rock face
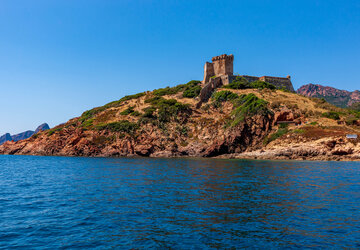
x=212 y=141
x=283 y=115
x=335 y=96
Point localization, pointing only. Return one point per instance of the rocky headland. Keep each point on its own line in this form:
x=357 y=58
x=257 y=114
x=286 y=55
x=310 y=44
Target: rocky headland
x=225 y=116
x=23 y=135
x=234 y=123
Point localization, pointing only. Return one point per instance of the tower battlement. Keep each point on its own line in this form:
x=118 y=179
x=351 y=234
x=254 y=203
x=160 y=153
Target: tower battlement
x=222 y=57
x=220 y=65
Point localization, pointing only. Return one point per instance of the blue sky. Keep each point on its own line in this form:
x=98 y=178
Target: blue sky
x=59 y=58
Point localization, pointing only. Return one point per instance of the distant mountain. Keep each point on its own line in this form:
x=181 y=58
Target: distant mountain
x=340 y=98
x=5 y=137
x=42 y=127
x=23 y=135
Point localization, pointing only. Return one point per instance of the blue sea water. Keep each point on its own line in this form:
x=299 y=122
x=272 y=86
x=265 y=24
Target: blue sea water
x=63 y=202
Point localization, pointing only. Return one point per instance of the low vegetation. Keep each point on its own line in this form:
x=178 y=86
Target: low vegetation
x=243 y=105
x=167 y=109
x=223 y=96
x=331 y=115
x=92 y=112
x=242 y=83
x=120 y=126
x=53 y=130
x=248 y=105
x=282 y=130
x=190 y=90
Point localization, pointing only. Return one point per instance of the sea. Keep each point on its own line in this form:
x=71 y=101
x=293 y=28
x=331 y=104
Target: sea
x=148 y=203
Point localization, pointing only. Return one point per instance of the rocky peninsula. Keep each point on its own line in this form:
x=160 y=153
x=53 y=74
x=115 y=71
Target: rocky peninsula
x=224 y=116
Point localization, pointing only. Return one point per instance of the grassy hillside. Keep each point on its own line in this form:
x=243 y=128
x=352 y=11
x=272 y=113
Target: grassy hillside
x=173 y=106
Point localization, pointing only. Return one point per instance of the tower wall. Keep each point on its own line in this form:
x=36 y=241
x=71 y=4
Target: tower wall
x=279 y=82
x=223 y=65
x=208 y=71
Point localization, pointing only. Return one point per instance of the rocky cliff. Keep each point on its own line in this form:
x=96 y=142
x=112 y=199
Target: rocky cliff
x=340 y=98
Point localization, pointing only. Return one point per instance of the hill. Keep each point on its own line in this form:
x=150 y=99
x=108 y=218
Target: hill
x=256 y=122
x=340 y=98
x=225 y=115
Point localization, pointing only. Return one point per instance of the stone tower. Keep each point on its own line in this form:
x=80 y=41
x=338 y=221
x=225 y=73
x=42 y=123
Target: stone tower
x=223 y=65
x=220 y=72
x=220 y=66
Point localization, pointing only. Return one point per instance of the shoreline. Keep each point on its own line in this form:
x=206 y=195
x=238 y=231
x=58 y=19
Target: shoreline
x=253 y=156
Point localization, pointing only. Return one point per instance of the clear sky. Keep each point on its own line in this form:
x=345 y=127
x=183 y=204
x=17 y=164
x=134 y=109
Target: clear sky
x=59 y=58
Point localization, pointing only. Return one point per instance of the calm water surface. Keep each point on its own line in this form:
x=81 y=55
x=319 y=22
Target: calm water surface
x=60 y=202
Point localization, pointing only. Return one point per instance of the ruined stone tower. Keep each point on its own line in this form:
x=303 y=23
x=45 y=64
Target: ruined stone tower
x=220 y=66
x=220 y=72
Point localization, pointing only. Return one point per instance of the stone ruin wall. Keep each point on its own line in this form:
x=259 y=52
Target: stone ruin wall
x=249 y=78
x=280 y=82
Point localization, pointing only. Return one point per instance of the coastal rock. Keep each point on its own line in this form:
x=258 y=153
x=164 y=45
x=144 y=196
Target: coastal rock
x=247 y=135
x=283 y=115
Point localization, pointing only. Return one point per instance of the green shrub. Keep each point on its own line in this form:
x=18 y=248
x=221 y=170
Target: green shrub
x=242 y=83
x=261 y=85
x=192 y=92
x=280 y=132
x=298 y=131
x=92 y=112
x=88 y=123
x=313 y=123
x=238 y=83
x=191 y=88
x=127 y=111
x=283 y=125
x=52 y=131
x=166 y=91
x=121 y=126
x=248 y=105
x=135 y=113
x=149 y=112
x=331 y=115
x=183 y=130
x=125 y=98
x=166 y=109
x=283 y=89
x=223 y=96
